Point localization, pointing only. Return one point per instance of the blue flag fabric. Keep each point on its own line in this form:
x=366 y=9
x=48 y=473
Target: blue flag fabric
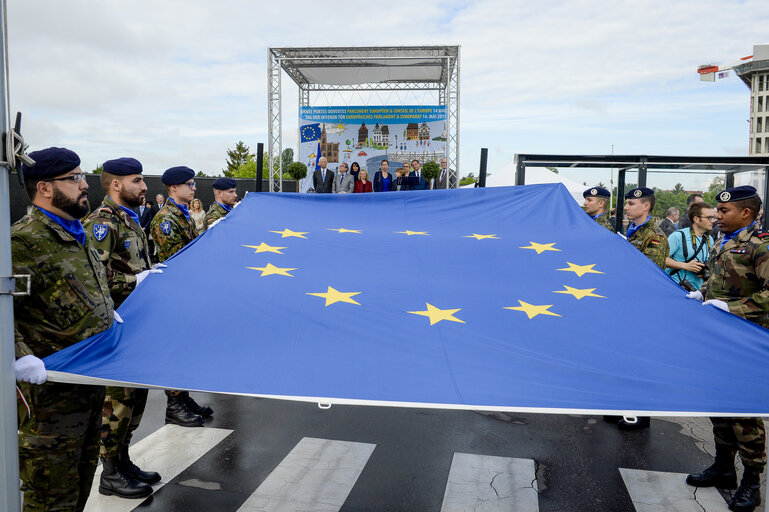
x=503 y=299
x=317 y=158
x=310 y=132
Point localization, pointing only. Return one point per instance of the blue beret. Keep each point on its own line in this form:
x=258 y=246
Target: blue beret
x=639 y=192
x=122 y=166
x=736 y=194
x=596 y=192
x=51 y=162
x=225 y=183
x=177 y=175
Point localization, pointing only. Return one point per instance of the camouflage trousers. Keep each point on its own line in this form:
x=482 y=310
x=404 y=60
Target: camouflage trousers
x=122 y=413
x=58 y=444
x=746 y=435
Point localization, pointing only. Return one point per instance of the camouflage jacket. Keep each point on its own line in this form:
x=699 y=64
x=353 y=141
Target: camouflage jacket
x=739 y=275
x=70 y=298
x=604 y=221
x=171 y=230
x=651 y=240
x=122 y=247
x=214 y=213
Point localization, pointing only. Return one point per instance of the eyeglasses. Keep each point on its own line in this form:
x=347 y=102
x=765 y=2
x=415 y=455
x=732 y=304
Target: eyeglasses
x=76 y=178
x=191 y=184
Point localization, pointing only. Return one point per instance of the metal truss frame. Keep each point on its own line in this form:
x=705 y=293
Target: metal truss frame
x=291 y=59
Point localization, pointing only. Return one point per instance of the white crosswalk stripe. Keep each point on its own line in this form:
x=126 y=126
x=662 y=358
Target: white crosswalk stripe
x=486 y=483
x=317 y=475
x=657 y=491
x=169 y=451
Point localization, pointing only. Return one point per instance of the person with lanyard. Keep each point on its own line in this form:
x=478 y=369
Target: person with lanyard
x=69 y=301
x=596 y=205
x=172 y=229
x=225 y=197
x=738 y=284
x=645 y=236
x=690 y=248
x=120 y=241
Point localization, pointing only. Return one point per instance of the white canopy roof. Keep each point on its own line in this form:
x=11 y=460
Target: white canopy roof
x=505 y=177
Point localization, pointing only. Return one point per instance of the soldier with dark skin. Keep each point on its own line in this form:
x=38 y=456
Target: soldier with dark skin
x=225 y=197
x=69 y=301
x=120 y=241
x=596 y=205
x=738 y=284
x=172 y=229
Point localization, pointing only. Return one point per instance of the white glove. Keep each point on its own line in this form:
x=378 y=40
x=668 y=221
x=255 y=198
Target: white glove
x=159 y=265
x=141 y=276
x=117 y=317
x=696 y=295
x=717 y=303
x=30 y=369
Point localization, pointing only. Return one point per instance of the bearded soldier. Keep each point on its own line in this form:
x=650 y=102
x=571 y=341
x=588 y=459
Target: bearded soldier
x=597 y=206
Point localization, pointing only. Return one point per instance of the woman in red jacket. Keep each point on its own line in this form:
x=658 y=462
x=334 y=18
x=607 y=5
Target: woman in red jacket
x=363 y=184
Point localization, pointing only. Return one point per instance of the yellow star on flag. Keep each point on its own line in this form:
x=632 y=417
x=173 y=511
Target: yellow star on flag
x=580 y=270
x=540 y=248
x=271 y=269
x=409 y=233
x=343 y=230
x=579 y=294
x=287 y=232
x=436 y=315
x=481 y=237
x=333 y=296
x=263 y=247
x=531 y=310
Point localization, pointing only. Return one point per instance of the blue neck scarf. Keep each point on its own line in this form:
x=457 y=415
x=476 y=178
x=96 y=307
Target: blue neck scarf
x=632 y=228
x=227 y=208
x=73 y=227
x=185 y=210
x=596 y=216
x=729 y=236
x=132 y=214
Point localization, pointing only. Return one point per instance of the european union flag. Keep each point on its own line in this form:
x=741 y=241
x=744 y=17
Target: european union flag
x=310 y=132
x=501 y=299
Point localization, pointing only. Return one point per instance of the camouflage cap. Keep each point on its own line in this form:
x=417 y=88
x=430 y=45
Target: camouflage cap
x=639 y=192
x=736 y=194
x=50 y=162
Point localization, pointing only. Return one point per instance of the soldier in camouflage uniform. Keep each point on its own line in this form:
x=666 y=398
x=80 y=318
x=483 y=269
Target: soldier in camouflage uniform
x=739 y=284
x=225 y=196
x=70 y=301
x=597 y=206
x=121 y=244
x=643 y=232
x=172 y=229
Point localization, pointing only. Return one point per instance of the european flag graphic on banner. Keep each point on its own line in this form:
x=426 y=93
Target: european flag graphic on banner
x=310 y=132
x=507 y=299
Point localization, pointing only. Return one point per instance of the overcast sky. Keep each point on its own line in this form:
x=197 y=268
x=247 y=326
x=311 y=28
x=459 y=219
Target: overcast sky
x=179 y=82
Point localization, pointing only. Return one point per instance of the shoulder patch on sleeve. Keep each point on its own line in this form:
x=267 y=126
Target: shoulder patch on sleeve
x=760 y=233
x=100 y=231
x=165 y=227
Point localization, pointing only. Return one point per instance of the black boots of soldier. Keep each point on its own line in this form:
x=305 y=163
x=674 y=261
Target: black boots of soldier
x=178 y=412
x=204 y=411
x=721 y=474
x=116 y=482
x=130 y=469
x=748 y=496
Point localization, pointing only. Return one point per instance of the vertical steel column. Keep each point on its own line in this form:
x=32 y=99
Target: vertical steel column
x=452 y=118
x=274 y=118
x=482 y=169
x=259 y=166
x=729 y=180
x=9 y=467
x=642 y=173
x=520 y=170
x=620 y=200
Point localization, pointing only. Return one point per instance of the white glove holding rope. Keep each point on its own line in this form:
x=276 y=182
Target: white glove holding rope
x=717 y=304
x=141 y=276
x=696 y=295
x=30 y=369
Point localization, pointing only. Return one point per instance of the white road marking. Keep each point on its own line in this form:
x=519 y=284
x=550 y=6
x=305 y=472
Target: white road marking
x=317 y=475
x=657 y=491
x=169 y=451
x=489 y=484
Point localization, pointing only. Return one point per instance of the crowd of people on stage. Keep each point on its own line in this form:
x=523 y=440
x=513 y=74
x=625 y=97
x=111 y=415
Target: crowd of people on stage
x=354 y=180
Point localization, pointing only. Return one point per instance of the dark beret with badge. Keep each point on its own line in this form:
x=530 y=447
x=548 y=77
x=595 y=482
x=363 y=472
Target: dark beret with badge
x=736 y=194
x=225 y=184
x=596 y=192
x=639 y=192
x=123 y=166
x=51 y=162
x=177 y=175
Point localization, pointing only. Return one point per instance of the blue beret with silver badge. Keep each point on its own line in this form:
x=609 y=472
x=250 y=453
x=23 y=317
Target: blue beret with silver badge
x=736 y=194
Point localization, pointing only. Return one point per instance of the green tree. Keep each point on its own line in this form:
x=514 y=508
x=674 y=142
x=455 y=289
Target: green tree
x=431 y=170
x=246 y=170
x=715 y=187
x=296 y=170
x=201 y=174
x=467 y=180
x=287 y=157
x=98 y=169
x=236 y=158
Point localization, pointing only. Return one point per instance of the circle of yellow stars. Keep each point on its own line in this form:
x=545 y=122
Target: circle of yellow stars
x=433 y=313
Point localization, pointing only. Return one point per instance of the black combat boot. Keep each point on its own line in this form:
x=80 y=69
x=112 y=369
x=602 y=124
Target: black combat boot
x=634 y=422
x=115 y=482
x=193 y=406
x=720 y=474
x=177 y=412
x=748 y=495
x=130 y=469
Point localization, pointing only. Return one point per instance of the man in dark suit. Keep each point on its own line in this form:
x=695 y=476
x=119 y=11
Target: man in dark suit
x=145 y=215
x=417 y=181
x=159 y=200
x=442 y=179
x=323 y=179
